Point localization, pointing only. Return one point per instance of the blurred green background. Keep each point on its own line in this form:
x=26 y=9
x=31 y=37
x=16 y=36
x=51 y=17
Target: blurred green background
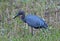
x=16 y=30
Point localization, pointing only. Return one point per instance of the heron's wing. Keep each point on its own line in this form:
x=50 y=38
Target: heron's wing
x=34 y=21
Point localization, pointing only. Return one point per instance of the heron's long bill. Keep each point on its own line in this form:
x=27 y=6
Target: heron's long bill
x=15 y=16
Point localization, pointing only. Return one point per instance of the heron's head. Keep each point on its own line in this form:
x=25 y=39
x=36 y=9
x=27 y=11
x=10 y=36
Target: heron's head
x=20 y=13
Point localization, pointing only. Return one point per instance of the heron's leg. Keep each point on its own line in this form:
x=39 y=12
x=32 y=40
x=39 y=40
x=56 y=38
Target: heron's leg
x=32 y=31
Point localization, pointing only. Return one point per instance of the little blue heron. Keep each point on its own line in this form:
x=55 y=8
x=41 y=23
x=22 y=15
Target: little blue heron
x=32 y=20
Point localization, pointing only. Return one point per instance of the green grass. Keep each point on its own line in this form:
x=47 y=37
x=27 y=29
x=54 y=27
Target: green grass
x=53 y=35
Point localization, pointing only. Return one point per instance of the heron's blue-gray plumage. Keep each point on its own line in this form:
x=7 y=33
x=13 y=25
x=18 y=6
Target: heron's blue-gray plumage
x=32 y=20
x=35 y=21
